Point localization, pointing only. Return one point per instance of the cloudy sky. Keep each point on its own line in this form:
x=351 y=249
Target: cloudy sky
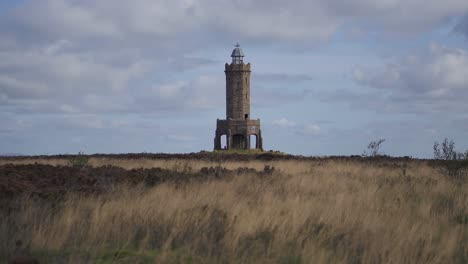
x=328 y=76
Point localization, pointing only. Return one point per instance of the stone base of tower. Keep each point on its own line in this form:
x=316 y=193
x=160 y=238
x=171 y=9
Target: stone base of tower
x=238 y=134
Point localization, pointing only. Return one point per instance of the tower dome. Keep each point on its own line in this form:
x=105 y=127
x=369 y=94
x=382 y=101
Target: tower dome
x=237 y=55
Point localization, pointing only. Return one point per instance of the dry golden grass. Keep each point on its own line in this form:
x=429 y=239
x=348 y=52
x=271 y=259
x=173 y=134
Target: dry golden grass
x=26 y=161
x=305 y=212
x=289 y=166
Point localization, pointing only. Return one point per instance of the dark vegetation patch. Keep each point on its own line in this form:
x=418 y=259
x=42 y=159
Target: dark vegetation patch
x=52 y=182
x=214 y=156
x=453 y=169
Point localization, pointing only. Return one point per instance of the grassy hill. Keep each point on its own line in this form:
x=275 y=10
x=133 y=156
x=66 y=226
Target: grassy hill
x=233 y=208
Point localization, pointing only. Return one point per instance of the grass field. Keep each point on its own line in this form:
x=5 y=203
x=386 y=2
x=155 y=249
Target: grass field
x=250 y=211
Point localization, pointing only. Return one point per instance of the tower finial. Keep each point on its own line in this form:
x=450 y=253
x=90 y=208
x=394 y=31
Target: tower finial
x=237 y=45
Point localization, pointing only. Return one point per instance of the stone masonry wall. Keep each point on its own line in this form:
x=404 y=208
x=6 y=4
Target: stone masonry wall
x=237 y=91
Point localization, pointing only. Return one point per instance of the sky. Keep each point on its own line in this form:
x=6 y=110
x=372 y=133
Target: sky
x=328 y=76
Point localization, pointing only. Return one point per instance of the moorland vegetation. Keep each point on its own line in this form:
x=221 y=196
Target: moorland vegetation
x=210 y=208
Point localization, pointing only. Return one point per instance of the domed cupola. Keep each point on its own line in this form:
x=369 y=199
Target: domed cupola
x=237 y=55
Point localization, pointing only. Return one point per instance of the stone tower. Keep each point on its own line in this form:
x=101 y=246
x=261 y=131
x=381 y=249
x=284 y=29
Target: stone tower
x=238 y=128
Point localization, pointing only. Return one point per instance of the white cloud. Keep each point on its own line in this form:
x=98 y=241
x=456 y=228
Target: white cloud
x=283 y=122
x=59 y=18
x=62 y=77
x=201 y=93
x=13 y=124
x=64 y=70
x=430 y=81
x=303 y=20
x=57 y=46
x=206 y=92
x=15 y=87
x=307 y=129
x=170 y=90
x=311 y=129
x=439 y=73
x=70 y=55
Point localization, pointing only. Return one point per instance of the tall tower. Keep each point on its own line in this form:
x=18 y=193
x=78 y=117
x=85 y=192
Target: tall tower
x=238 y=128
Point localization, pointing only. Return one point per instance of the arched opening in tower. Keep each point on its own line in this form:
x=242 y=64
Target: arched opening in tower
x=223 y=142
x=238 y=141
x=253 y=141
x=246 y=116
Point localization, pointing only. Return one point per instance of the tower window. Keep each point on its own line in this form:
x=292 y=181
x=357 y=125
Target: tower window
x=246 y=116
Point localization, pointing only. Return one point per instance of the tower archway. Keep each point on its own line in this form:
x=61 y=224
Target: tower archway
x=223 y=139
x=253 y=141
